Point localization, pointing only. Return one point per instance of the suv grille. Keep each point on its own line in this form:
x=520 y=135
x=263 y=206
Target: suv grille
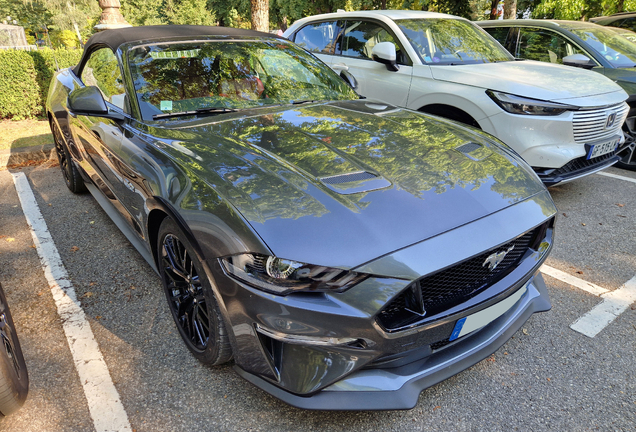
x=590 y=125
x=454 y=285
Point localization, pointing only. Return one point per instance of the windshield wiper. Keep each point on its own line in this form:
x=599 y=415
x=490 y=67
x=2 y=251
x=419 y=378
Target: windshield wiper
x=200 y=111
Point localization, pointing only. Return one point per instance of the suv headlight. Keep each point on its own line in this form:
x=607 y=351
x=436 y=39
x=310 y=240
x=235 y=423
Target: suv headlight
x=522 y=105
x=281 y=276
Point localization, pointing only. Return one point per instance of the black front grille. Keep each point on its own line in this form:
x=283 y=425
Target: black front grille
x=454 y=285
x=581 y=164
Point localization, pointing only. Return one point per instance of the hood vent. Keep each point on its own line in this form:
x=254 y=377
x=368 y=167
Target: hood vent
x=474 y=151
x=347 y=178
x=468 y=147
x=355 y=182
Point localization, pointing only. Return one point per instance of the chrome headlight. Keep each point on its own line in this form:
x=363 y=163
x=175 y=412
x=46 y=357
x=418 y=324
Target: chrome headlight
x=282 y=276
x=522 y=105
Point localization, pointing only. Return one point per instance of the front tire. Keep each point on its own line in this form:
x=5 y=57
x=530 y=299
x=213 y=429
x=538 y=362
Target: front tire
x=72 y=177
x=190 y=297
x=14 y=380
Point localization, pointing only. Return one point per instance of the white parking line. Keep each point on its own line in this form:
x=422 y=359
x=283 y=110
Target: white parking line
x=613 y=304
x=574 y=281
x=104 y=403
x=629 y=179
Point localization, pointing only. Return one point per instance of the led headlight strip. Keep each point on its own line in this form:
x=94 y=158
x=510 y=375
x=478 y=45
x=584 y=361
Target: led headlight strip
x=282 y=276
x=522 y=105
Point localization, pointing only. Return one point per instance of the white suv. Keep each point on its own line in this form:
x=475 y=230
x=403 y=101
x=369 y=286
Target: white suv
x=565 y=122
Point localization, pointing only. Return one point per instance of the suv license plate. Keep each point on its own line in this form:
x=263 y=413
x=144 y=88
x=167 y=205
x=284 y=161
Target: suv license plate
x=479 y=319
x=602 y=148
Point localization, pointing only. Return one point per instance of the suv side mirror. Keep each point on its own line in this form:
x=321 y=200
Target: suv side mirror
x=89 y=101
x=579 y=60
x=384 y=53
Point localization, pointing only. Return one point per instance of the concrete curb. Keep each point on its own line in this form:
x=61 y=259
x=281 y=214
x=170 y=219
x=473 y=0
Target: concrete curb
x=23 y=156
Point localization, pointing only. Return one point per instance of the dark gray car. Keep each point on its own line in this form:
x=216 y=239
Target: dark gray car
x=346 y=253
x=625 y=20
x=579 y=44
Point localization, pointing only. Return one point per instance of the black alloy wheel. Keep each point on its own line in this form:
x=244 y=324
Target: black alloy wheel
x=190 y=297
x=71 y=175
x=14 y=380
x=628 y=152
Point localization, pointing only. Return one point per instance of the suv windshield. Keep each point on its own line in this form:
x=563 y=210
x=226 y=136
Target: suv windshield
x=228 y=75
x=443 y=41
x=616 y=49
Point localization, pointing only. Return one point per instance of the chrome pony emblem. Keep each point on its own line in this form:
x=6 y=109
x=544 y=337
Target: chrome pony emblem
x=495 y=259
x=611 y=118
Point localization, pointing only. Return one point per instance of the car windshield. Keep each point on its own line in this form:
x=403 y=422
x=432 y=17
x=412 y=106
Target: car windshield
x=627 y=34
x=220 y=76
x=616 y=49
x=444 y=41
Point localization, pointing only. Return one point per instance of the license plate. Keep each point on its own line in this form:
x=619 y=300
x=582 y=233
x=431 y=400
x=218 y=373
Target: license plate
x=602 y=148
x=479 y=319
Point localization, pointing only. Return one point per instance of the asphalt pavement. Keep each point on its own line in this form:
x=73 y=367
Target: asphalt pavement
x=547 y=377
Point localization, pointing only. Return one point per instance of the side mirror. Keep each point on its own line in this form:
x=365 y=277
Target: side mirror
x=384 y=53
x=579 y=60
x=89 y=101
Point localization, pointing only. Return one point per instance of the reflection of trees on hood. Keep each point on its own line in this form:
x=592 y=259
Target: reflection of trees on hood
x=414 y=152
x=268 y=166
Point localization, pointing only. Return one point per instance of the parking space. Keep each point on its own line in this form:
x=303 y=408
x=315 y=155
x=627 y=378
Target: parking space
x=547 y=377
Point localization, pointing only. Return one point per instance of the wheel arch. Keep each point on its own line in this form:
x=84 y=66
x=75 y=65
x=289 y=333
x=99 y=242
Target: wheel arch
x=450 y=112
x=161 y=209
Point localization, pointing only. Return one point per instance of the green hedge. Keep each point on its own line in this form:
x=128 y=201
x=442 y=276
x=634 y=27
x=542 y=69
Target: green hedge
x=19 y=90
x=25 y=77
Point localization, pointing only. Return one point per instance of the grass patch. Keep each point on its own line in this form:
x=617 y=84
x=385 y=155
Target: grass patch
x=24 y=133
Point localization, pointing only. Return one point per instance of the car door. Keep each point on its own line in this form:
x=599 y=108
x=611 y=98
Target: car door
x=353 y=54
x=101 y=138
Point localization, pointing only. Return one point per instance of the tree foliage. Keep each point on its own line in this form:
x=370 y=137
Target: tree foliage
x=153 y=12
x=574 y=9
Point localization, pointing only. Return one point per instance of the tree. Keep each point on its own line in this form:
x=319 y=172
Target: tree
x=493 y=9
x=510 y=9
x=260 y=15
x=192 y=12
x=454 y=7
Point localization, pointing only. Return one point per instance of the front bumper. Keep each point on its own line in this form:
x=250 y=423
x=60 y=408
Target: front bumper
x=576 y=169
x=400 y=387
x=303 y=345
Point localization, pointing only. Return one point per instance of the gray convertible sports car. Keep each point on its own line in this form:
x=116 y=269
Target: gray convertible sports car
x=346 y=253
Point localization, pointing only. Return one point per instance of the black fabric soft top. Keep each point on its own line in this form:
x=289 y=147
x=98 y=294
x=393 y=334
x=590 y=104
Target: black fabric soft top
x=115 y=38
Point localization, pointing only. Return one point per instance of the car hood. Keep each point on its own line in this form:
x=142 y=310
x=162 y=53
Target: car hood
x=536 y=80
x=342 y=183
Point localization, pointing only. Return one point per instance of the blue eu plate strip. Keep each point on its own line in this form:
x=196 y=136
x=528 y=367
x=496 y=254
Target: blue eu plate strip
x=457 y=329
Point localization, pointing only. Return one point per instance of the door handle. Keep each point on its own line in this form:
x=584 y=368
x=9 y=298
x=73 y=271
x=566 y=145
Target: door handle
x=116 y=134
x=340 y=66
